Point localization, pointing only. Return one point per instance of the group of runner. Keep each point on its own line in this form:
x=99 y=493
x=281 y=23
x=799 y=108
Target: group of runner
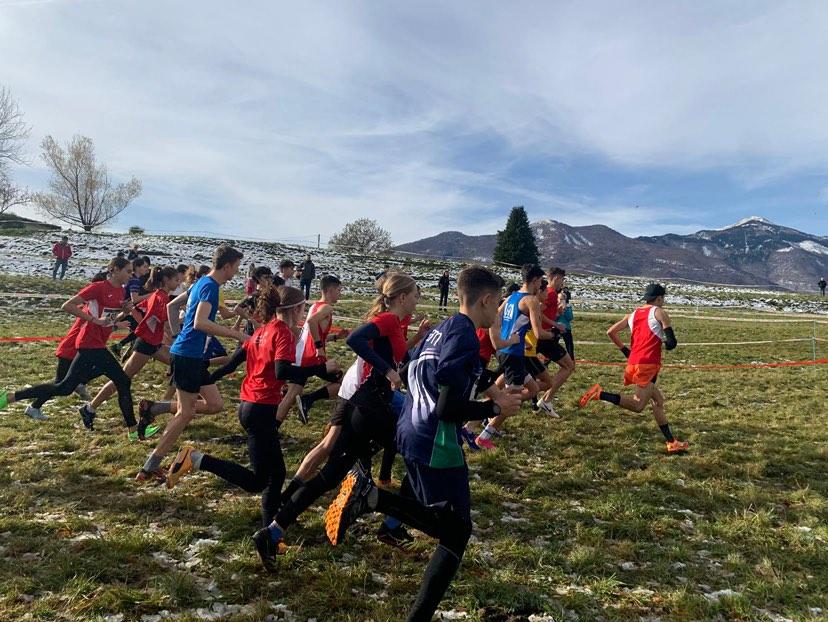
x=421 y=395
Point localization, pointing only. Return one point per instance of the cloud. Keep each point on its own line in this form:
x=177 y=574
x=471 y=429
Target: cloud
x=289 y=120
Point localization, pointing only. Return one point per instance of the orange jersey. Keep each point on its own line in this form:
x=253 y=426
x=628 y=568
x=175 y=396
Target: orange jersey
x=647 y=335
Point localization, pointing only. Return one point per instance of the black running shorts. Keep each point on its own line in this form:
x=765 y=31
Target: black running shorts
x=551 y=349
x=189 y=374
x=514 y=368
x=147 y=349
x=534 y=367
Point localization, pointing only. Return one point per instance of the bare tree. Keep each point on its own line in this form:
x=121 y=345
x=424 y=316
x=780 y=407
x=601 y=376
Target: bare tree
x=81 y=191
x=11 y=195
x=13 y=130
x=362 y=234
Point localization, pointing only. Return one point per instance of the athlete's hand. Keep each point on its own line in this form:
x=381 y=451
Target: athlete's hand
x=127 y=306
x=560 y=327
x=101 y=321
x=513 y=340
x=509 y=402
x=331 y=366
x=123 y=325
x=425 y=326
x=394 y=378
x=242 y=337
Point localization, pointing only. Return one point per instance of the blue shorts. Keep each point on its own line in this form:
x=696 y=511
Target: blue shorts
x=442 y=487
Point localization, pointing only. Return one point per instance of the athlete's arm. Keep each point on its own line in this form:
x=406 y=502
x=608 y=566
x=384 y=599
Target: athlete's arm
x=360 y=342
x=670 y=341
x=322 y=313
x=535 y=317
x=173 y=310
x=422 y=330
x=74 y=306
x=203 y=323
x=612 y=333
x=452 y=405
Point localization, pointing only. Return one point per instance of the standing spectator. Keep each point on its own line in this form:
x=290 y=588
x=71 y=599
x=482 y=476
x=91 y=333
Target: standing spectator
x=62 y=252
x=286 y=270
x=132 y=255
x=249 y=281
x=821 y=284
x=443 y=286
x=565 y=318
x=307 y=273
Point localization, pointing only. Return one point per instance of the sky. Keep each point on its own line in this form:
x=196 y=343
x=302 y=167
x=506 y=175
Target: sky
x=284 y=121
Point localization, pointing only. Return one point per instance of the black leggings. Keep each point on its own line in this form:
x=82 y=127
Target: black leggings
x=87 y=365
x=268 y=472
x=369 y=425
x=60 y=373
x=569 y=343
x=444 y=299
x=238 y=357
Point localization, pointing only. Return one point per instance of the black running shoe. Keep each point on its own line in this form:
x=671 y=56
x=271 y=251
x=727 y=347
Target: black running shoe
x=87 y=416
x=145 y=417
x=116 y=348
x=398 y=537
x=303 y=405
x=267 y=548
x=128 y=352
x=350 y=504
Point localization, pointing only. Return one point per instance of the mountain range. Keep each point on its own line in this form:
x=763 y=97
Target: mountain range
x=753 y=251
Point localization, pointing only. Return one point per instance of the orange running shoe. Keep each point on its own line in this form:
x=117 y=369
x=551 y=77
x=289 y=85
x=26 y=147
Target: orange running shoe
x=590 y=395
x=676 y=446
x=350 y=504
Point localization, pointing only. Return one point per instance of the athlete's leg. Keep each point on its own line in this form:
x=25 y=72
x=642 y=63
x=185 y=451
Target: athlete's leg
x=238 y=357
x=134 y=364
x=82 y=369
x=184 y=414
x=566 y=367
x=318 y=455
x=62 y=369
x=639 y=400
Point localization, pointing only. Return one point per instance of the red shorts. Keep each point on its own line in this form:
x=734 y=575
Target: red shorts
x=641 y=375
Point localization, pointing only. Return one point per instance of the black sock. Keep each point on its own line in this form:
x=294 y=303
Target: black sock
x=612 y=398
x=440 y=571
x=665 y=430
x=292 y=487
x=319 y=394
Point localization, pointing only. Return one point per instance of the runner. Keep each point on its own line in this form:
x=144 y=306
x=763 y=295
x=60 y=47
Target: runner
x=133 y=291
x=435 y=498
x=363 y=410
x=270 y=353
x=100 y=305
x=189 y=370
x=519 y=312
x=650 y=326
x=551 y=348
x=148 y=343
x=310 y=347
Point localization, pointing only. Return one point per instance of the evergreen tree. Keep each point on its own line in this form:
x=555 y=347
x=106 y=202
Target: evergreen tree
x=516 y=243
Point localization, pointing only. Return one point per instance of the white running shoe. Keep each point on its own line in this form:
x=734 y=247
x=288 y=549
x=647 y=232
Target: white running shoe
x=548 y=409
x=35 y=413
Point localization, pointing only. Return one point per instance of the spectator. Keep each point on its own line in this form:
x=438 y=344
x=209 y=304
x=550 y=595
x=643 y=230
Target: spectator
x=62 y=252
x=132 y=255
x=249 y=281
x=286 y=270
x=307 y=273
x=822 y=285
x=443 y=286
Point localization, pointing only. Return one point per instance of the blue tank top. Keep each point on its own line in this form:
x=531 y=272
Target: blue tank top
x=514 y=322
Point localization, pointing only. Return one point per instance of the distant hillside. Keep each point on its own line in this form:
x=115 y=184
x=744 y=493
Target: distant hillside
x=12 y=224
x=753 y=251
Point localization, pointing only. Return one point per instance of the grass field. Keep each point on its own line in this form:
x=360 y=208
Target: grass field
x=583 y=518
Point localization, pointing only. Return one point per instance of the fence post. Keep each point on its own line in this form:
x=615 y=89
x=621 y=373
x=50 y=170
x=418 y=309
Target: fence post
x=813 y=340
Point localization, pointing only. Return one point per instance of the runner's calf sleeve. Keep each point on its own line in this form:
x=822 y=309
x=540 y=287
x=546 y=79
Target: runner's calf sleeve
x=612 y=398
x=665 y=430
x=670 y=342
x=438 y=575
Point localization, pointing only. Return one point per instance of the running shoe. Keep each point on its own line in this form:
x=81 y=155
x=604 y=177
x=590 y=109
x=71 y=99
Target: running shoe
x=676 y=446
x=158 y=476
x=145 y=418
x=548 y=409
x=35 y=413
x=83 y=393
x=303 y=406
x=135 y=435
x=87 y=416
x=350 y=504
x=267 y=548
x=534 y=403
x=485 y=444
x=128 y=352
x=590 y=395
x=4 y=400
x=116 y=348
x=182 y=465
x=397 y=537
x=469 y=438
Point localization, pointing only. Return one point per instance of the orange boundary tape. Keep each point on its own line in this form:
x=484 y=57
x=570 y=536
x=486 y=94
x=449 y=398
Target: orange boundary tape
x=716 y=367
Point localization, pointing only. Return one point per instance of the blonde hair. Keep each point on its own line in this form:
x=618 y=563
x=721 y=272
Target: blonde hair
x=391 y=285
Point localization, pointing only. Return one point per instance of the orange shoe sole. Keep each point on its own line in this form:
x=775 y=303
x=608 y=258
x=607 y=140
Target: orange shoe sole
x=590 y=395
x=333 y=515
x=678 y=448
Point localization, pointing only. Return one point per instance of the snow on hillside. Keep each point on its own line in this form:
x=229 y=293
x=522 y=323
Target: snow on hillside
x=32 y=255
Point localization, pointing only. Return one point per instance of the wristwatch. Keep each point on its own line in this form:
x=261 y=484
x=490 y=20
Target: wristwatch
x=495 y=409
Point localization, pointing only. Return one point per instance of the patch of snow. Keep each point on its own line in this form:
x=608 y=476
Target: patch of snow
x=785 y=250
x=813 y=247
x=707 y=252
x=716 y=596
x=748 y=220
